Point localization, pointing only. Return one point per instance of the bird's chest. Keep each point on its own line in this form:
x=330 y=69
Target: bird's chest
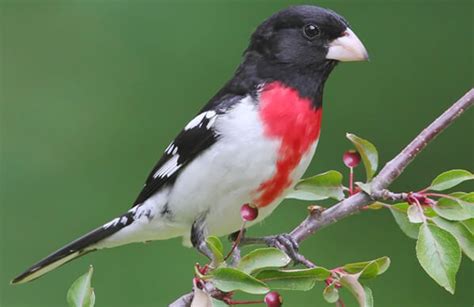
x=295 y=124
x=262 y=149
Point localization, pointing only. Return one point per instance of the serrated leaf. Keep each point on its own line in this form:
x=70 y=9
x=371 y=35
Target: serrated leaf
x=451 y=209
x=469 y=224
x=331 y=294
x=81 y=294
x=439 y=255
x=368 y=269
x=351 y=283
x=230 y=279
x=399 y=214
x=322 y=186
x=216 y=247
x=450 y=179
x=460 y=232
x=368 y=153
x=300 y=279
x=369 y=297
x=263 y=258
x=415 y=214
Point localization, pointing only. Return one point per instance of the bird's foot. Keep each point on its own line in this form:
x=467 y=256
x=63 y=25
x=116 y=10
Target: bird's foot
x=286 y=243
x=198 y=240
x=206 y=251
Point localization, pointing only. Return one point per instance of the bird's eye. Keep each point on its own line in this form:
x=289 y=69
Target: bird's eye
x=311 y=31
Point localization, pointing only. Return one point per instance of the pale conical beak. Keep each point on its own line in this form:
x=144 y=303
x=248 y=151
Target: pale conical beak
x=347 y=48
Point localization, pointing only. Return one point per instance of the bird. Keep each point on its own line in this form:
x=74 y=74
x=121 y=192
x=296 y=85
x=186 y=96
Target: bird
x=250 y=144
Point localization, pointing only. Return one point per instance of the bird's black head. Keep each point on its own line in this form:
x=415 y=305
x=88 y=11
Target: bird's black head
x=298 y=46
x=304 y=36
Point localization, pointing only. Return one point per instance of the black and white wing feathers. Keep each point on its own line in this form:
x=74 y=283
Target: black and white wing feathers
x=197 y=136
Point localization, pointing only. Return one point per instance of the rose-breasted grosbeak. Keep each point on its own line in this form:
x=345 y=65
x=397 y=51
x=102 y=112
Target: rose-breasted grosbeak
x=250 y=144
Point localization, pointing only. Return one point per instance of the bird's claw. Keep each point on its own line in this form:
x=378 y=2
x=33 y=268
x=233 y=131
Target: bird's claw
x=286 y=243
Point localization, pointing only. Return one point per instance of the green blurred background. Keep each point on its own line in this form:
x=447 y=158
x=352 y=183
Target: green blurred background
x=93 y=91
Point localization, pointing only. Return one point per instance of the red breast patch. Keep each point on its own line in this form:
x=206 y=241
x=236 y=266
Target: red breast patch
x=292 y=119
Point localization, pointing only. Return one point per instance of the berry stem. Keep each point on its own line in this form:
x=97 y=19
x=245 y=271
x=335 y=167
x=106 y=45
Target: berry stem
x=230 y=302
x=351 y=181
x=237 y=240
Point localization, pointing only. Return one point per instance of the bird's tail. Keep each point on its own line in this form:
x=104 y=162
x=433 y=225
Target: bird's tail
x=75 y=249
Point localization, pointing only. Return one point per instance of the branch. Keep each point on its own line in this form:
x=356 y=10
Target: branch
x=318 y=219
x=387 y=175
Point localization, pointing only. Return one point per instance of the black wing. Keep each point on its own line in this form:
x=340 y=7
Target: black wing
x=196 y=137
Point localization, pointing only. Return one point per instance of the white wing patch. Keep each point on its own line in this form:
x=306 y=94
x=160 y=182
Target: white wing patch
x=172 y=149
x=198 y=120
x=113 y=223
x=211 y=122
x=169 y=168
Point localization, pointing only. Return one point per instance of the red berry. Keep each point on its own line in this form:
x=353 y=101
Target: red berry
x=273 y=299
x=248 y=213
x=351 y=158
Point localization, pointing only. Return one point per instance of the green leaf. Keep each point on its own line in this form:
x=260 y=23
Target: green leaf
x=439 y=255
x=401 y=207
x=366 y=187
x=369 y=297
x=467 y=202
x=451 y=209
x=351 y=283
x=460 y=232
x=301 y=279
x=80 y=294
x=399 y=214
x=230 y=279
x=216 y=247
x=469 y=224
x=217 y=303
x=331 y=294
x=429 y=212
x=263 y=258
x=450 y=179
x=322 y=186
x=304 y=195
x=415 y=214
x=368 y=153
x=376 y=205
x=368 y=269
